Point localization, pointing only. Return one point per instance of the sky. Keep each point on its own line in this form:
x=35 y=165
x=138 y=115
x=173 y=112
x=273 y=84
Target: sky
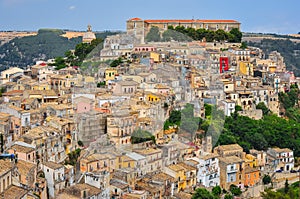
x=265 y=16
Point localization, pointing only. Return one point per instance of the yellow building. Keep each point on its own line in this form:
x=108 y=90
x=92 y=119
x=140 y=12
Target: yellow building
x=246 y=68
x=251 y=161
x=41 y=87
x=110 y=74
x=153 y=98
x=89 y=79
x=126 y=162
x=155 y=56
x=177 y=172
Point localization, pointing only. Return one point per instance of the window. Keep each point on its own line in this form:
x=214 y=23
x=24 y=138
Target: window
x=47 y=170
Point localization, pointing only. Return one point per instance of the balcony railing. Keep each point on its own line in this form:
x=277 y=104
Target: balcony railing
x=232 y=170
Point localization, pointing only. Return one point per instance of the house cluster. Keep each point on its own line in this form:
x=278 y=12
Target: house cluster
x=69 y=134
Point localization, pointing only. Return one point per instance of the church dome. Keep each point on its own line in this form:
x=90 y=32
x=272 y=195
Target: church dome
x=89 y=35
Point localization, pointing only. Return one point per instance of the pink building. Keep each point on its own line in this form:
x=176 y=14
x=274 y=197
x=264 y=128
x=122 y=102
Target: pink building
x=24 y=151
x=162 y=89
x=83 y=104
x=144 y=48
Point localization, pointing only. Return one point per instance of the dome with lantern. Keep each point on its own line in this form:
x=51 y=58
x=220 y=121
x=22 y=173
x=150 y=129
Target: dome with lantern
x=89 y=35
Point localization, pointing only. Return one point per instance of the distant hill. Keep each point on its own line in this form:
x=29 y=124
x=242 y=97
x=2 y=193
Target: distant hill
x=287 y=45
x=47 y=44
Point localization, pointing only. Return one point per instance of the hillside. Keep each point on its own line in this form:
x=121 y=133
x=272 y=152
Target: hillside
x=47 y=44
x=288 y=46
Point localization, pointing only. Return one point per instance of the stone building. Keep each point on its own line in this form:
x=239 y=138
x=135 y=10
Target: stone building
x=140 y=28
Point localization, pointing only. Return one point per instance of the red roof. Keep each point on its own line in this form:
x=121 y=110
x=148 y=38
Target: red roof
x=185 y=20
x=135 y=19
x=189 y=21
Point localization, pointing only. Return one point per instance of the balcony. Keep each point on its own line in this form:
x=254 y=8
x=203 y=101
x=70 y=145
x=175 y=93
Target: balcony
x=232 y=170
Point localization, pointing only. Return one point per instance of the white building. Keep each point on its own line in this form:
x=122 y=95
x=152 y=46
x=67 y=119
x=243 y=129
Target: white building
x=140 y=163
x=281 y=159
x=99 y=180
x=55 y=177
x=6 y=74
x=229 y=107
x=208 y=170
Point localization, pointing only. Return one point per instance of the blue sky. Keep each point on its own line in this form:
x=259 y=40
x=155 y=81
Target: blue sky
x=276 y=16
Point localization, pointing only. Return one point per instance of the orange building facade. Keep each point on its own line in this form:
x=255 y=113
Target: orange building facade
x=252 y=176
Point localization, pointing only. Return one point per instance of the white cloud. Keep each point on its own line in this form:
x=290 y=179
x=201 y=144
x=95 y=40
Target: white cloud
x=72 y=7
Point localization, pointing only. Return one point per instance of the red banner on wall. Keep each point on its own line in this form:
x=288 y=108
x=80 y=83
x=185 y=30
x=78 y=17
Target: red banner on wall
x=224 y=66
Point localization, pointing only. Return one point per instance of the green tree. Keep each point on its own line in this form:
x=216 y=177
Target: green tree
x=59 y=63
x=153 y=34
x=238 y=108
x=175 y=117
x=286 y=186
x=116 y=62
x=263 y=107
x=202 y=193
x=236 y=191
x=266 y=179
x=220 y=35
x=237 y=35
x=139 y=136
x=189 y=123
x=72 y=157
x=217 y=191
x=2 y=90
x=228 y=196
x=243 y=45
x=80 y=143
x=208 y=110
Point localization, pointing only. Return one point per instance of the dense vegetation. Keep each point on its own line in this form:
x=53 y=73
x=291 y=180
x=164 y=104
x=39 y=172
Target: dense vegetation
x=180 y=33
x=139 y=136
x=73 y=157
x=216 y=193
x=289 y=102
x=270 y=131
x=288 y=192
x=287 y=48
x=47 y=44
x=82 y=51
x=261 y=134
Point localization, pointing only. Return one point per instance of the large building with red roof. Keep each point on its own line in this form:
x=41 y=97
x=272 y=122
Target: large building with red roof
x=140 y=27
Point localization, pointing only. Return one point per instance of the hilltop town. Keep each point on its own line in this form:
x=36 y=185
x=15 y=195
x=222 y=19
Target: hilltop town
x=131 y=130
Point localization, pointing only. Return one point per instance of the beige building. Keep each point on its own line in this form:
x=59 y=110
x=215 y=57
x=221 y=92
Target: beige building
x=140 y=28
x=7 y=74
x=89 y=36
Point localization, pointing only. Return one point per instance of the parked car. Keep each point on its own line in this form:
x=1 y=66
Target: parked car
x=293 y=171
x=279 y=171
